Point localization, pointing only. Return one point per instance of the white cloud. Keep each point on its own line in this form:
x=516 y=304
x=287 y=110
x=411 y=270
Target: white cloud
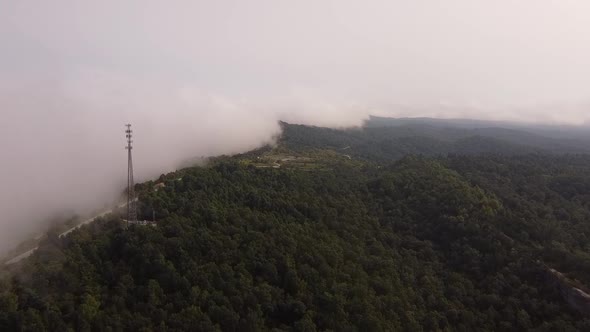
x=207 y=77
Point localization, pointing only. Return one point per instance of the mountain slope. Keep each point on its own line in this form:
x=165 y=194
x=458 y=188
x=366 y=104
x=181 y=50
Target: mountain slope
x=325 y=232
x=550 y=138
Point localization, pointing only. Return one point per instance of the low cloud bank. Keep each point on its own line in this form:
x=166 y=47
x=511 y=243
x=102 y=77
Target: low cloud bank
x=198 y=78
x=63 y=145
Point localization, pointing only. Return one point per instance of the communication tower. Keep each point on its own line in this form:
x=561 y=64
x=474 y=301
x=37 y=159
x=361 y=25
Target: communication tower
x=131 y=200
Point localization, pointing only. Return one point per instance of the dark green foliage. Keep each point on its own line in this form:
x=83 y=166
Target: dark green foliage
x=456 y=243
x=384 y=143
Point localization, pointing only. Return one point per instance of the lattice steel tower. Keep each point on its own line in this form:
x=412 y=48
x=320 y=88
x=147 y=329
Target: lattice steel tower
x=131 y=201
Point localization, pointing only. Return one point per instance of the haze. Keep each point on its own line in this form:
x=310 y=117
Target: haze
x=209 y=77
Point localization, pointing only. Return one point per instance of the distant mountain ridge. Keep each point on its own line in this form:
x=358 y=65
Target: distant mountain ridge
x=386 y=139
x=548 y=130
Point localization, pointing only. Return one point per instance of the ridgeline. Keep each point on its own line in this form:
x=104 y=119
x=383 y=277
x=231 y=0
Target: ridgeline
x=386 y=228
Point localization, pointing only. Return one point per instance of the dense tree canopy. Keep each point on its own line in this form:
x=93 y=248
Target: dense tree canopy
x=452 y=242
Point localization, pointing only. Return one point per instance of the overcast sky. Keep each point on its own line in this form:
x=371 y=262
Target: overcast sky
x=457 y=52
x=208 y=77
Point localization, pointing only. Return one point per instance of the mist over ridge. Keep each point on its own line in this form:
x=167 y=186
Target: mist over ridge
x=208 y=78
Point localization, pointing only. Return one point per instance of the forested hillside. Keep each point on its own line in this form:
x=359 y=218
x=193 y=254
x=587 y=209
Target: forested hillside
x=385 y=141
x=354 y=230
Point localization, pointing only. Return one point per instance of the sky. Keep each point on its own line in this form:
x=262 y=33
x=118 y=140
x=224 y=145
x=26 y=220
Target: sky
x=199 y=78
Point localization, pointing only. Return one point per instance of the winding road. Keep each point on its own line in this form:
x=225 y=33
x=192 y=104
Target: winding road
x=26 y=254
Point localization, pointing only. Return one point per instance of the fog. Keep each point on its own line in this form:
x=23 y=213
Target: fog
x=200 y=78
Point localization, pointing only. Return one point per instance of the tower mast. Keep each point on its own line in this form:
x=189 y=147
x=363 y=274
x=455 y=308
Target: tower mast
x=131 y=202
